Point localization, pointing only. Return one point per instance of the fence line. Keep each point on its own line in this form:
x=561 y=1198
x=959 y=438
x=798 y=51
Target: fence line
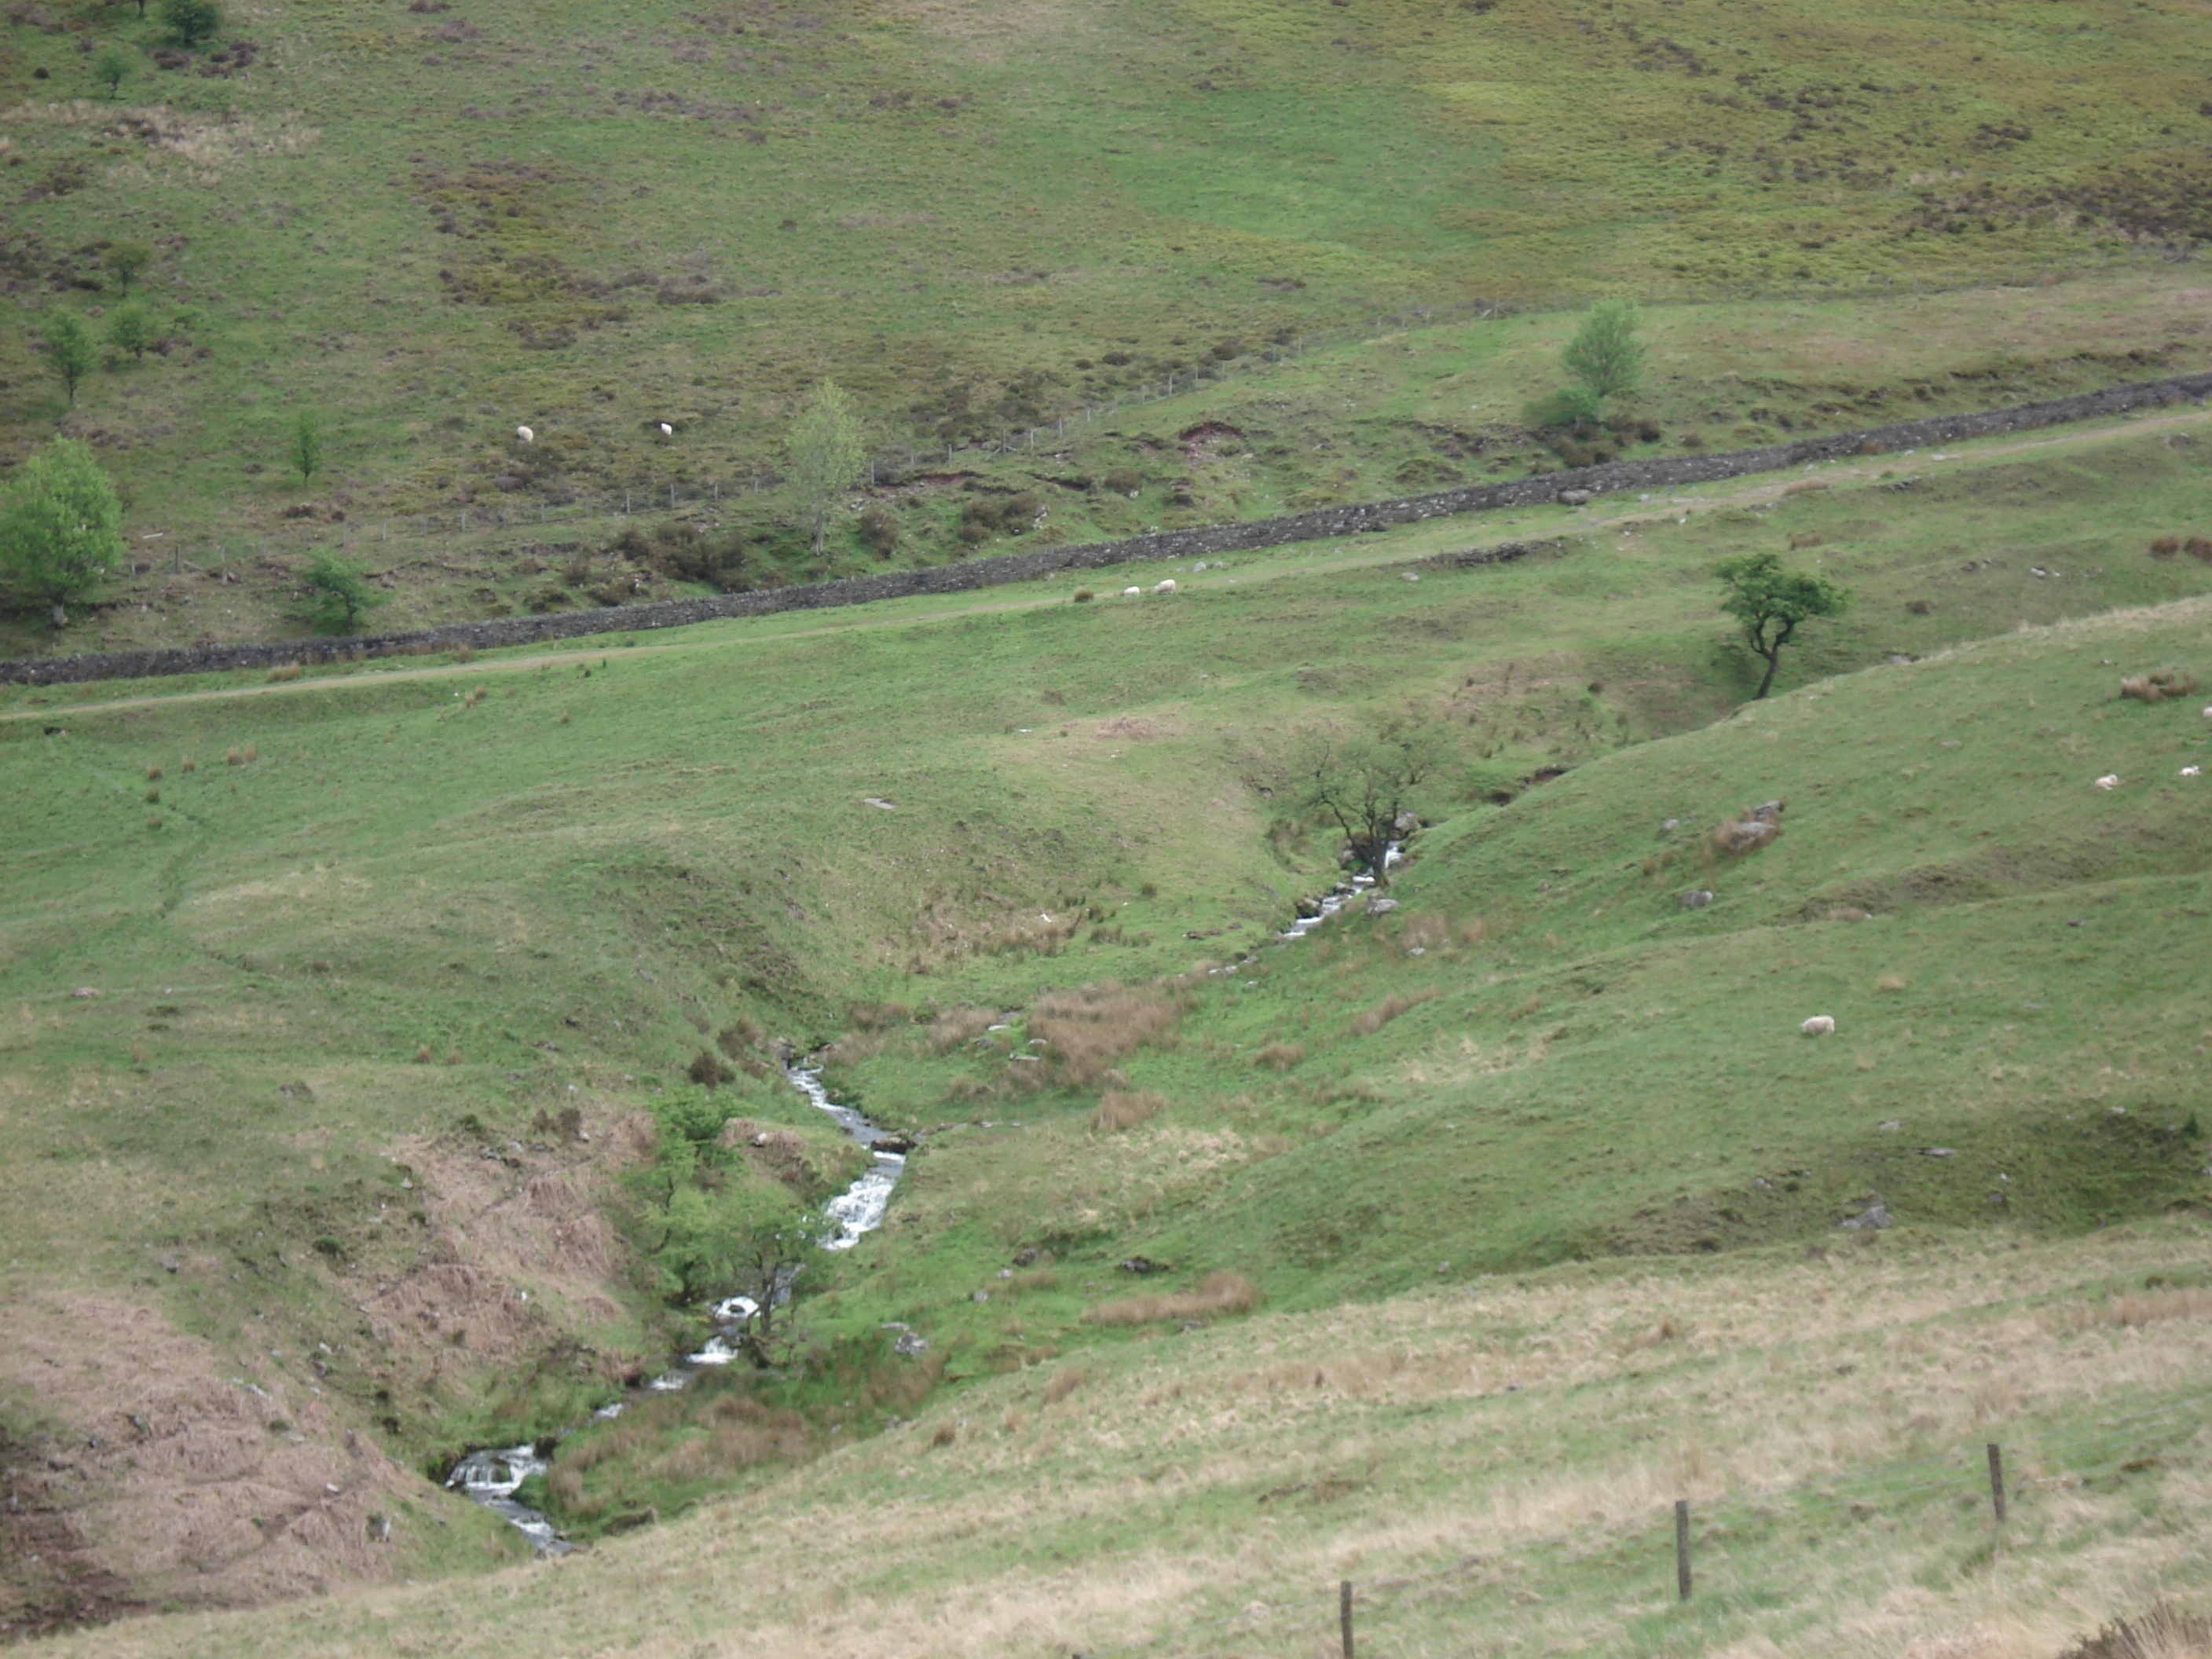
x=1351 y=1611
x=917 y=456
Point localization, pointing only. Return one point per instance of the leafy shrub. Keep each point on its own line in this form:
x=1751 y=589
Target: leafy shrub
x=880 y=533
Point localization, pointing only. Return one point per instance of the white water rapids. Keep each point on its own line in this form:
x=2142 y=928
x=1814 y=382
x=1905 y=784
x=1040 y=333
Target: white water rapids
x=491 y=1475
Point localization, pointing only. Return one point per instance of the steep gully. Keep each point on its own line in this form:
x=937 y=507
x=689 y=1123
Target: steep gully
x=492 y=1475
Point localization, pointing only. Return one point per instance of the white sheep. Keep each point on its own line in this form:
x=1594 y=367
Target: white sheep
x=1818 y=1025
x=2190 y=771
x=1167 y=586
x=2110 y=781
x=524 y=434
x=667 y=430
x=1131 y=593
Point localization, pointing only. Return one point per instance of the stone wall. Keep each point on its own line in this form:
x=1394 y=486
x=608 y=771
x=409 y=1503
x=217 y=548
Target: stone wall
x=1659 y=472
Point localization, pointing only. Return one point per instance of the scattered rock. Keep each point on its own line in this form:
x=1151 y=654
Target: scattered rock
x=1027 y=1258
x=1696 y=898
x=907 y=1342
x=1574 y=498
x=1381 y=907
x=1144 y=1264
x=1872 y=1218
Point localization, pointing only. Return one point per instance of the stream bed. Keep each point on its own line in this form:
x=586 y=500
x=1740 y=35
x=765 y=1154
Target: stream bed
x=491 y=1475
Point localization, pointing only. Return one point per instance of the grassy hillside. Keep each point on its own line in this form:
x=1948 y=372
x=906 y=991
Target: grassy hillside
x=389 y=970
x=1494 y=1462
x=429 y=227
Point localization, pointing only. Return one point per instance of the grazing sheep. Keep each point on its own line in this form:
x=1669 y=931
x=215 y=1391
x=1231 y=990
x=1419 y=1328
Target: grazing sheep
x=1133 y=593
x=525 y=435
x=667 y=430
x=1167 y=586
x=2191 y=771
x=1818 y=1025
x=2110 y=781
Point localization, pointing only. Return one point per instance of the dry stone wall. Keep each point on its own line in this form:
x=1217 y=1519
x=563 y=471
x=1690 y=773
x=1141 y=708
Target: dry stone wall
x=1658 y=472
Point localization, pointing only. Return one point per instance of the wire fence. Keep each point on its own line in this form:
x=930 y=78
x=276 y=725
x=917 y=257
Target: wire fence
x=485 y=527
x=1732 y=1553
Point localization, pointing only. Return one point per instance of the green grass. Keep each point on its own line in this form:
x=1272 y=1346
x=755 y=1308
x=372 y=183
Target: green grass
x=348 y=985
x=396 y=230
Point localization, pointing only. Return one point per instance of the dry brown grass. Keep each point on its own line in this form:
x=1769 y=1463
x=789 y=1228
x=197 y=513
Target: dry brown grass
x=956 y=1026
x=2199 y=547
x=284 y=672
x=1890 y=982
x=1063 y=1382
x=2159 y=684
x=2164 y=1631
x=2166 y=547
x=1280 y=1056
x=1125 y=1109
x=2132 y=1310
x=188 y=765
x=152 y=775
x=1218 y=1293
x=1087 y=1030
x=234 y=758
x=1368 y=1021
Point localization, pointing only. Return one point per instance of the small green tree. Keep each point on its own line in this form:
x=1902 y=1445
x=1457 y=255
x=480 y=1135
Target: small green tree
x=307 y=443
x=68 y=348
x=190 y=20
x=61 y=526
x=1769 y=602
x=337 y=594
x=129 y=331
x=824 y=454
x=112 y=67
x=127 y=261
x=1364 y=781
x=1605 y=355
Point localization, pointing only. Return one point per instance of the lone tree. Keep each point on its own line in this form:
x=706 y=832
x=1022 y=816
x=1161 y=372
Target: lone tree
x=112 y=67
x=307 y=443
x=129 y=331
x=61 y=526
x=337 y=594
x=1364 y=781
x=128 y=261
x=190 y=20
x=1768 y=602
x=1604 y=356
x=68 y=348
x=824 y=454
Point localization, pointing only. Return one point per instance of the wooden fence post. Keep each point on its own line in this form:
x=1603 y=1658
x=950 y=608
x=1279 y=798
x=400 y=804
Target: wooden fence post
x=1996 y=1482
x=1681 y=1549
x=1344 y=1615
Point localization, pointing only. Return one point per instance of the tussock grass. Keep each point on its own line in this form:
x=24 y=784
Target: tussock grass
x=1217 y=1294
x=1368 y=1021
x=1087 y=1030
x=1121 y=1108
